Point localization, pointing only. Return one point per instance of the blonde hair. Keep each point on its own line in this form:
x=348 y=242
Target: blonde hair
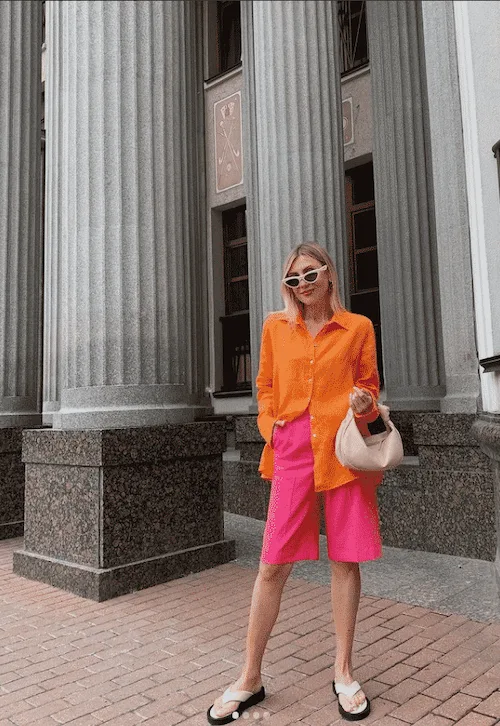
x=312 y=249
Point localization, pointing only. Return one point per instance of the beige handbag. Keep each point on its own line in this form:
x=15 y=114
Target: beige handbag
x=368 y=453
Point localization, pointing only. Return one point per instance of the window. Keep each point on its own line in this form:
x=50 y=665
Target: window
x=236 y=321
x=362 y=240
x=353 y=36
x=224 y=36
x=228 y=35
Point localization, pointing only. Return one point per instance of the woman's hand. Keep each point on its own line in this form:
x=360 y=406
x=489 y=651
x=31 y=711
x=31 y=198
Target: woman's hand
x=276 y=423
x=361 y=401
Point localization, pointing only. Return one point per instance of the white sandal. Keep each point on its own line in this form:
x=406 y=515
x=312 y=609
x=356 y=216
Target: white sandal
x=361 y=711
x=246 y=700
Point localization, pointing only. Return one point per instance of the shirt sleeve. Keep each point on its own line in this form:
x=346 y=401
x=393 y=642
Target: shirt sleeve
x=367 y=376
x=264 y=382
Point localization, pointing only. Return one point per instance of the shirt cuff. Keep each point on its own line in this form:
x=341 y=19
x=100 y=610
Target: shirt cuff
x=368 y=416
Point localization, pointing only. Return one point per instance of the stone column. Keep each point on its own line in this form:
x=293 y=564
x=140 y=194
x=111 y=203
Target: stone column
x=450 y=199
x=293 y=139
x=477 y=31
x=55 y=216
x=20 y=248
x=407 y=257
x=132 y=495
x=123 y=191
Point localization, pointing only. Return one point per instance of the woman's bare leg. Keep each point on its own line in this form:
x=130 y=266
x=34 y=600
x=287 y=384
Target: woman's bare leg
x=346 y=590
x=264 y=610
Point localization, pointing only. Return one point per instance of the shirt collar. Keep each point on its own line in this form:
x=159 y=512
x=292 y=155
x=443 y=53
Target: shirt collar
x=340 y=318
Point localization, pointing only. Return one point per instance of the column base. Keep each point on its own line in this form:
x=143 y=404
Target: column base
x=414 y=398
x=112 y=407
x=103 y=584
x=116 y=510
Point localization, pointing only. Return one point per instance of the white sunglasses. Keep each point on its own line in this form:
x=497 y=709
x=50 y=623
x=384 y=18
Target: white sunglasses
x=310 y=276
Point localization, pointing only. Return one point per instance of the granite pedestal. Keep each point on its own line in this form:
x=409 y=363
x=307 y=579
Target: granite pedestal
x=11 y=483
x=486 y=430
x=116 y=510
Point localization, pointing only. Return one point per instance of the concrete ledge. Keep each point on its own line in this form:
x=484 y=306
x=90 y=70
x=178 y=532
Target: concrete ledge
x=103 y=584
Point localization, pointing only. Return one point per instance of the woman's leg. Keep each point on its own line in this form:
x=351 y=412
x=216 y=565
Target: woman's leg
x=264 y=609
x=346 y=589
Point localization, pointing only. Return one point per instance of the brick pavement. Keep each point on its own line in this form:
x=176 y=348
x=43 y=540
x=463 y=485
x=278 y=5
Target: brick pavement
x=162 y=655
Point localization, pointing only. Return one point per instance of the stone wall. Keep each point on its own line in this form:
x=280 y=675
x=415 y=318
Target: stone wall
x=11 y=483
x=439 y=500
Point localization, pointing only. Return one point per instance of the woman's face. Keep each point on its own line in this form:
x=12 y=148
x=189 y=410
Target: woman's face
x=309 y=293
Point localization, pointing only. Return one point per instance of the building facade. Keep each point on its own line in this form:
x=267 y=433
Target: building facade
x=188 y=146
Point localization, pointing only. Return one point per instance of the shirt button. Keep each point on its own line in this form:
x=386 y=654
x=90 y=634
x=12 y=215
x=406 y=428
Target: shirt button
x=310 y=380
x=311 y=362
x=315 y=436
x=312 y=418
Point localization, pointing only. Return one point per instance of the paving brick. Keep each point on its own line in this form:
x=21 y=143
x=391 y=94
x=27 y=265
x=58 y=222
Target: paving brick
x=396 y=674
x=404 y=690
x=116 y=709
x=288 y=696
x=432 y=673
x=457 y=706
x=483 y=686
x=476 y=719
x=415 y=708
x=444 y=688
x=289 y=715
x=433 y=720
x=84 y=709
x=389 y=721
x=471 y=669
x=457 y=656
x=491 y=706
x=399 y=622
x=35 y=714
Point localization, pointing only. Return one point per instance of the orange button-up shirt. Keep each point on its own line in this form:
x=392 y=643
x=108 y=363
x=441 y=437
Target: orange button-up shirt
x=298 y=372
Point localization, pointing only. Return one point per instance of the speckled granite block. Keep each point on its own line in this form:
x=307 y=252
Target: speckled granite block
x=108 y=511
x=460 y=513
x=402 y=510
x=11 y=483
x=245 y=493
x=443 y=429
x=453 y=457
x=403 y=420
x=251 y=452
x=62 y=512
x=246 y=429
x=486 y=431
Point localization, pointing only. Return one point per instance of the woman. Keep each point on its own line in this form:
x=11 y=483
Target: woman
x=316 y=360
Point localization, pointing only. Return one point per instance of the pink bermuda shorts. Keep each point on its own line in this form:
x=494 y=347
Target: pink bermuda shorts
x=292 y=528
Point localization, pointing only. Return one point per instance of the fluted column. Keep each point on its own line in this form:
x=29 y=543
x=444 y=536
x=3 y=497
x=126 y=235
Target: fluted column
x=20 y=247
x=124 y=216
x=55 y=184
x=450 y=200
x=294 y=141
x=411 y=333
